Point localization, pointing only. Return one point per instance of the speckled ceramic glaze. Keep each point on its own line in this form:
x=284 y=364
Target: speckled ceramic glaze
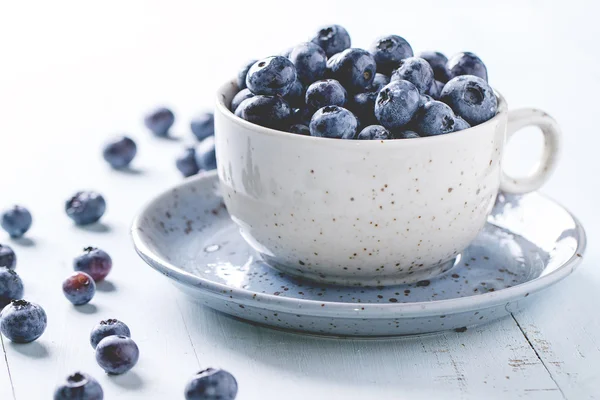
x=528 y=243
x=366 y=213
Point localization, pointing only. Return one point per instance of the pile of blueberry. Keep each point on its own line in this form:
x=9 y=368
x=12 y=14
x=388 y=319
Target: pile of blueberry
x=326 y=88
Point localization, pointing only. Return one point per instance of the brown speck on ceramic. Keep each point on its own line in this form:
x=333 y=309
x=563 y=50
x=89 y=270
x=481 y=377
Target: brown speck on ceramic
x=461 y=330
x=450 y=190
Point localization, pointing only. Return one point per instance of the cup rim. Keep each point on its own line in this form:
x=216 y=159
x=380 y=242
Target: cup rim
x=224 y=110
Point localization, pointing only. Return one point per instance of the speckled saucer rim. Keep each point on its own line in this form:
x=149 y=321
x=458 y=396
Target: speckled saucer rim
x=349 y=310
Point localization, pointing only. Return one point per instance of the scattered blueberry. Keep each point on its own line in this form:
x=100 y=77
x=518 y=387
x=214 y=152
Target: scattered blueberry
x=415 y=70
x=8 y=258
x=310 y=61
x=22 y=321
x=332 y=39
x=79 y=288
x=106 y=328
x=271 y=76
x=186 y=162
x=437 y=61
x=388 y=51
x=241 y=78
x=470 y=97
x=160 y=121
x=94 y=262
x=406 y=135
x=206 y=157
x=379 y=82
x=211 y=384
x=374 y=132
x=85 y=208
x=239 y=97
x=119 y=152
x=333 y=122
x=117 y=354
x=11 y=286
x=353 y=68
x=396 y=104
x=434 y=118
x=300 y=129
x=466 y=64
x=79 y=386
x=16 y=221
x=460 y=124
x=295 y=97
x=203 y=125
x=327 y=92
x=268 y=111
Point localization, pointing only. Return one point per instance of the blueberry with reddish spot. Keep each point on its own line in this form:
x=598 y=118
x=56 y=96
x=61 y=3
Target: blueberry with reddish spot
x=460 y=124
x=11 y=286
x=211 y=384
x=406 y=135
x=8 y=258
x=271 y=76
x=94 y=262
x=239 y=97
x=22 y=321
x=117 y=354
x=396 y=104
x=327 y=92
x=470 y=97
x=120 y=152
x=374 y=132
x=466 y=63
x=79 y=386
x=310 y=61
x=434 y=118
x=415 y=70
x=333 y=122
x=206 y=157
x=300 y=129
x=203 y=125
x=16 y=221
x=353 y=68
x=437 y=61
x=268 y=111
x=388 y=51
x=79 y=288
x=159 y=121
x=295 y=97
x=85 y=208
x=332 y=39
x=241 y=78
x=106 y=328
x=186 y=162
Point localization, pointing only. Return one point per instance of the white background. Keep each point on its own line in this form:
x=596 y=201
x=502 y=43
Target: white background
x=74 y=73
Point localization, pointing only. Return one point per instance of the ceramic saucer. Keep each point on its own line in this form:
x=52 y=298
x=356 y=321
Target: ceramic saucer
x=529 y=243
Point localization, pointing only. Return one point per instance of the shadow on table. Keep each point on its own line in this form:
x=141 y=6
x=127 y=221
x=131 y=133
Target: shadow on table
x=32 y=350
x=130 y=381
x=24 y=241
x=98 y=227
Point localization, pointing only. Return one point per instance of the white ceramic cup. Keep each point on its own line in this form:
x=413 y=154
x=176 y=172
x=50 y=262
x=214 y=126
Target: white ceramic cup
x=368 y=212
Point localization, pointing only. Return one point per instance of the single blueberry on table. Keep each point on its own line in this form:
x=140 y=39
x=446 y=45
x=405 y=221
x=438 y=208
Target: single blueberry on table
x=11 y=286
x=466 y=63
x=106 y=328
x=268 y=111
x=332 y=39
x=206 y=157
x=117 y=354
x=186 y=162
x=79 y=386
x=85 y=208
x=160 y=121
x=379 y=82
x=300 y=129
x=415 y=70
x=434 y=118
x=353 y=68
x=396 y=104
x=406 y=135
x=203 y=125
x=374 y=132
x=460 y=124
x=437 y=61
x=16 y=221
x=295 y=97
x=271 y=76
x=333 y=122
x=8 y=258
x=79 y=288
x=94 y=262
x=239 y=97
x=327 y=92
x=211 y=384
x=120 y=152
x=388 y=51
x=22 y=321
x=241 y=78
x=310 y=61
x=471 y=98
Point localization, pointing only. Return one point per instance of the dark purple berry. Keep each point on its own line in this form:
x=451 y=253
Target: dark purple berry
x=8 y=258
x=211 y=384
x=117 y=354
x=85 y=208
x=106 y=328
x=160 y=121
x=120 y=152
x=94 y=262
x=11 y=286
x=79 y=288
x=16 y=221
x=79 y=386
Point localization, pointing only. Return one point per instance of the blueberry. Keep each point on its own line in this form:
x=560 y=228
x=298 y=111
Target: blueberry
x=406 y=135
x=211 y=384
x=295 y=97
x=117 y=354
x=301 y=115
x=333 y=122
x=396 y=104
x=415 y=70
x=268 y=111
x=471 y=98
x=437 y=61
x=271 y=76
x=239 y=97
x=323 y=93
x=354 y=69
x=379 y=82
x=186 y=162
x=374 y=132
x=106 y=328
x=16 y=221
x=363 y=105
x=300 y=129
x=434 y=118
x=310 y=61
x=332 y=39
x=79 y=386
x=466 y=63
x=22 y=321
x=79 y=288
x=388 y=51
x=85 y=208
x=119 y=152
x=160 y=121
x=11 y=286
x=94 y=262
x=8 y=258
x=460 y=124
x=424 y=100
x=206 y=157
x=203 y=125
x=241 y=78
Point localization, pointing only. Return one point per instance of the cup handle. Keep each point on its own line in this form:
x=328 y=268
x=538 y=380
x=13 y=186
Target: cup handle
x=518 y=119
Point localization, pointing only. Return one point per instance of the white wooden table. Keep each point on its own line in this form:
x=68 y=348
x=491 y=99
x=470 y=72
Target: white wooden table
x=74 y=73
